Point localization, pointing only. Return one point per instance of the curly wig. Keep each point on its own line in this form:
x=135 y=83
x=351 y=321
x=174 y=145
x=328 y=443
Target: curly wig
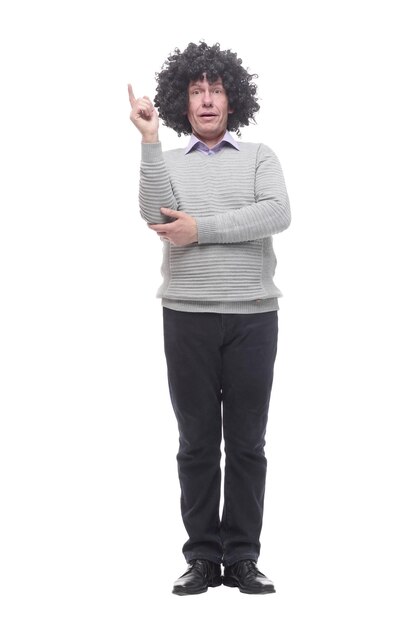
x=182 y=67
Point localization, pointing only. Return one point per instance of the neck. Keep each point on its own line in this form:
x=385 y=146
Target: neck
x=209 y=141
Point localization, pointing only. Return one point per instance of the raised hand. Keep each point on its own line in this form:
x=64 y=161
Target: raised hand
x=144 y=116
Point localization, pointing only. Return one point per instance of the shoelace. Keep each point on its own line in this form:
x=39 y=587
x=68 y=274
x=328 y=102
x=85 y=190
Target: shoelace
x=200 y=565
x=252 y=570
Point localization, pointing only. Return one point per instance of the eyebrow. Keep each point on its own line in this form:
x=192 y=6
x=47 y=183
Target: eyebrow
x=198 y=83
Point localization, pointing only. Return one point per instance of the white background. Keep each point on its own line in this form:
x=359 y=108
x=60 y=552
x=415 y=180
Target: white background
x=90 y=525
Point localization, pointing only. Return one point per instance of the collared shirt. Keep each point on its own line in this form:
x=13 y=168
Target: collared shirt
x=200 y=146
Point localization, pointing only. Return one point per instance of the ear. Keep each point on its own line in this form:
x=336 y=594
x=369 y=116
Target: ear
x=231 y=111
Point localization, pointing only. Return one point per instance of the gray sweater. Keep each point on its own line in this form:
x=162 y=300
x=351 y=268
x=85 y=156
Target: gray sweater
x=239 y=200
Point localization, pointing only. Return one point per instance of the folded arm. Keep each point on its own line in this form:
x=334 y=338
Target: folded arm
x=268 y=215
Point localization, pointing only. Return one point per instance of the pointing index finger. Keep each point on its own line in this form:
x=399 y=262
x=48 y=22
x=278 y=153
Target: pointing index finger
x=131 y=95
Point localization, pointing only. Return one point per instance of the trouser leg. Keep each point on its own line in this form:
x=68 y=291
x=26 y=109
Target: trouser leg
x=249 y=351
x=193 y=355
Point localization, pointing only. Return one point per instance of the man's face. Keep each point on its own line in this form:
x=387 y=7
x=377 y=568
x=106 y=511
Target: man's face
x=208 y=110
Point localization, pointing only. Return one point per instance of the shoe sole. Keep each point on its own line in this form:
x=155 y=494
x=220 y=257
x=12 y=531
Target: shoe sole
x=182 y=592
x=227 y=582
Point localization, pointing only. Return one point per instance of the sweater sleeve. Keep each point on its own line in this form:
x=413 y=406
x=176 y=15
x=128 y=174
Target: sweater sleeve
x=268 y=215
x=155 y=190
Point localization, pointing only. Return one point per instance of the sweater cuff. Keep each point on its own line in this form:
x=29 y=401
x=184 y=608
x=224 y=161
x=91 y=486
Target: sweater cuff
x=152 y=152
x=206 y=230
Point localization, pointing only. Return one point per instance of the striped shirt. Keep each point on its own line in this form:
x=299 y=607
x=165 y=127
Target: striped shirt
x=238 y=198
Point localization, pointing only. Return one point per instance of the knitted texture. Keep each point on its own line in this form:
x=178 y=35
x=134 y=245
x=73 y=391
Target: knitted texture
x=239 y=200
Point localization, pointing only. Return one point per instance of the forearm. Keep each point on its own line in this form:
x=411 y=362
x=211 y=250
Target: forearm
x=255 y=221
x=155 y=189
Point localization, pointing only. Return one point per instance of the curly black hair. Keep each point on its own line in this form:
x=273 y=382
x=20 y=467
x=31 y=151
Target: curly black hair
x=181 y=67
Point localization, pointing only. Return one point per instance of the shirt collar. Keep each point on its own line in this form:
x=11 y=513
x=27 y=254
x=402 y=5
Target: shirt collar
x=227 y=138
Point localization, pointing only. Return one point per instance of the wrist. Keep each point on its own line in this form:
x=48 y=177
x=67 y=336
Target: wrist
x=150 y=138
x=195 y=234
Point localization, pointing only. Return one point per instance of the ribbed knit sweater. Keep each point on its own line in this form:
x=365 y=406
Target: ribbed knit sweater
x=239 y=200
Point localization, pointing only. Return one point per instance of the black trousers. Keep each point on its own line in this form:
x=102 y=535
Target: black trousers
x=220 y=372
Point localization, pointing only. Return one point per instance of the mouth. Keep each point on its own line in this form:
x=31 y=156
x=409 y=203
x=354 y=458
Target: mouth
x=208 y=115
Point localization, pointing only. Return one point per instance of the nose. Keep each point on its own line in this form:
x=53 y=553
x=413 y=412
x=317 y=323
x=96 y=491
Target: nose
x=207 y=98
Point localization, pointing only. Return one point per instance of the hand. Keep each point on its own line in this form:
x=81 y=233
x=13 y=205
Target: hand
x=181 y=232
x=144 y=115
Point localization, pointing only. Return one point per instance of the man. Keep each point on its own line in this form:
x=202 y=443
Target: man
x=215 y=205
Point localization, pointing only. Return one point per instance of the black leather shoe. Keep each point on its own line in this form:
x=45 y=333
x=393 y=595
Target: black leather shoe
x=200 y=575
x=246 y=576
